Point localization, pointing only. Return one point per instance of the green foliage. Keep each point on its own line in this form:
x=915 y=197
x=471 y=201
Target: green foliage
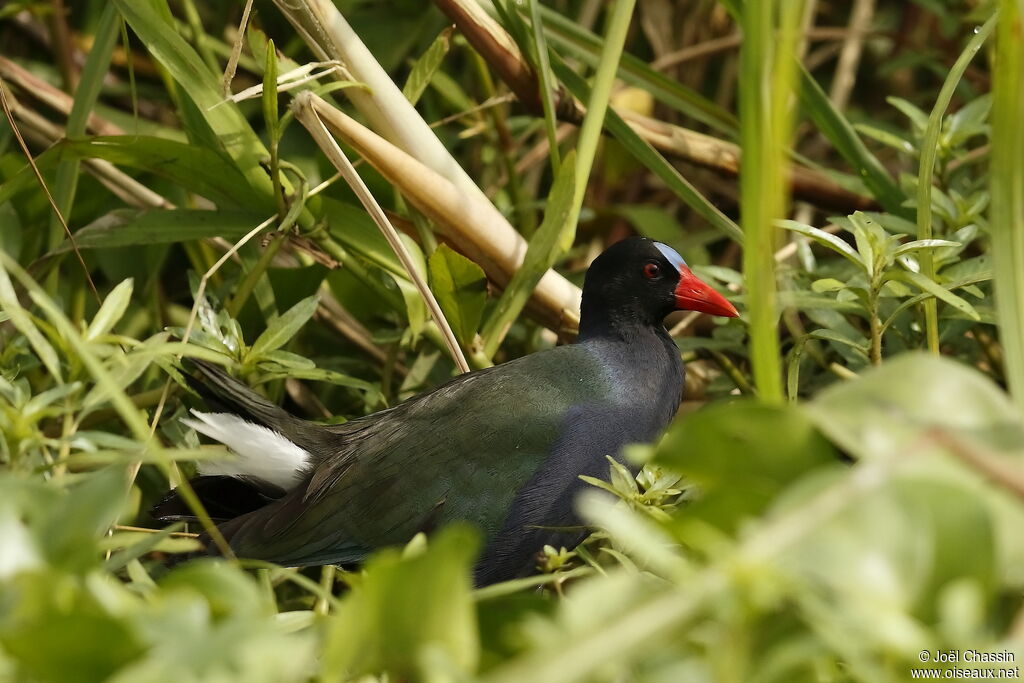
x=461 y=289
x=831 y=538
x=409 y=613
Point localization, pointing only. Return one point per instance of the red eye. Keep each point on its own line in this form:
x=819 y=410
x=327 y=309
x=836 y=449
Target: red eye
x=652 y=271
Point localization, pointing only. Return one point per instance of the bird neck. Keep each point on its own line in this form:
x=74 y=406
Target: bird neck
x=644 y=362
x=599 y=323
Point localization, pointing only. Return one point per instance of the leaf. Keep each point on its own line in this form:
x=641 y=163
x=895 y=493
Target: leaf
x=882 y=414
x=151 y=21
x=643 y=152
x=206 y=172
x=834 y=126
x=85 y=513
x=23 y=322
x=130 y=227
x=917 y=117
x=269 y=98
x=406 y=608
x=111 y=311
x=586 y=45
x=541 y=254
x=425 y=67
x=322 y=375
x=827 y=284
x=741 y=455
x=282 y=329
x=886 y=138
x=928 y=285
x=461 y=290
x=833 y=336
x=823 y=238
x=918 y=245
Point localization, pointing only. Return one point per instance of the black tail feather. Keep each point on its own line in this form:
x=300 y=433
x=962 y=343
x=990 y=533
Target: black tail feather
x=223 y=497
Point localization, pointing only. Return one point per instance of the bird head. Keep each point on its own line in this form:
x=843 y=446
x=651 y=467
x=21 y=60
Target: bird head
x=644 y=280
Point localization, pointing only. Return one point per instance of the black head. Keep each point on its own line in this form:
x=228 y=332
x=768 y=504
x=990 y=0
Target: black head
x=638 y=282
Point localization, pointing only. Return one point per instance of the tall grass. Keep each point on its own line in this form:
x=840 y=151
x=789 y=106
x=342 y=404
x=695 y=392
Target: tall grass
x=767 y=71
x=1007 y=186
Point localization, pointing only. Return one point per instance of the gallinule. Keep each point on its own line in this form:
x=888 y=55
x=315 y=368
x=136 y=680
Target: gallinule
x=502 y=448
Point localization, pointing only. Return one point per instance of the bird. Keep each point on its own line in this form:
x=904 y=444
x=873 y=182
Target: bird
x=502 y=448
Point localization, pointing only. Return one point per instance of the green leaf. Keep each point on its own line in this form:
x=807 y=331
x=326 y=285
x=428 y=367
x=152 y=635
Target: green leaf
x=741 y=455
x=828 y=284
x=280 y=331
x=130 y=227
x=84 y=514
x=461 y=290
x=206 y=172
x=918 y=118
x=928 y=285
x=574 y=38
x=883 y=413
x=151 y=21
x=426 y=66
x=23 y=322
x=918 y=245
x=886 y=138
x=269 y=98
x=320 y=375
x=651 y=158
x=823 y=238
x=406 y=608
x=834 y=126
x=541 y=253
x=111 y=311
x=833 y=336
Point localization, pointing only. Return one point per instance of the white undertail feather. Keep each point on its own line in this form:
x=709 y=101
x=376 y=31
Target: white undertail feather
x=262 y=452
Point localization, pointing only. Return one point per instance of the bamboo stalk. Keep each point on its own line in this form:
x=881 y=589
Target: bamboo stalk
x=468 y=222
x=384 y=106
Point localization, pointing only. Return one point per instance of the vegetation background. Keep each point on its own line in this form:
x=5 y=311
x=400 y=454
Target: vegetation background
x=852 y=495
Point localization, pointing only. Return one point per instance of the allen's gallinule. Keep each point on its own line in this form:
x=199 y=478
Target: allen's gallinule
x=502 y=448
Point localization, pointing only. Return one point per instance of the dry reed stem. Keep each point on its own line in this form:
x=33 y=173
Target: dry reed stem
x=307 y=110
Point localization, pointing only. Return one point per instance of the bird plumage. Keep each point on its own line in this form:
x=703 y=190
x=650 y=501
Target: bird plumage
x=502 y=448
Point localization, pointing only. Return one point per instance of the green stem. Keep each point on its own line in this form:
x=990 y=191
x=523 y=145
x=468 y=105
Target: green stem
x=767 y=63
x=1007 y=187
x=926 y=171
x=617 y=26
x=252 y=277
x=876 y=335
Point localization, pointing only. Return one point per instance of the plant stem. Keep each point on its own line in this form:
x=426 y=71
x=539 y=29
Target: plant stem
x=617 y=26
x=926 y=170
x=1007 y=188
x=767 y=68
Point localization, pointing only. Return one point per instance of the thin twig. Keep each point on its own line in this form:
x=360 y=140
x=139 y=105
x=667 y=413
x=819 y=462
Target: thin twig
x=849 y=57
x=236 y=51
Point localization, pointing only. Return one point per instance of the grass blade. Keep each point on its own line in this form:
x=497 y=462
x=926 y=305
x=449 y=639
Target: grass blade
x=541 y=254
x=651 y=158
x=617 y=26
x=834 y=126
x=767 y=68
x=1007 y=186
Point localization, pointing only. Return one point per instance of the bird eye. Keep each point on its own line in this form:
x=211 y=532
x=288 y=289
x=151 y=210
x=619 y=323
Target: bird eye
x=652 y=271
